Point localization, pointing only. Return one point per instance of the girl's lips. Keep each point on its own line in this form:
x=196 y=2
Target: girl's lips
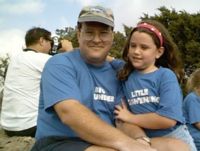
x=136 y=58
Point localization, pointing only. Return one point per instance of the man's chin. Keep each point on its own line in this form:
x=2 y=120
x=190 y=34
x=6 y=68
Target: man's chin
x=97 y=59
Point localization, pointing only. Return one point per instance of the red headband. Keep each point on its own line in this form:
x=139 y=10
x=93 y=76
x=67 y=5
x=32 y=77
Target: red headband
x=153 y=29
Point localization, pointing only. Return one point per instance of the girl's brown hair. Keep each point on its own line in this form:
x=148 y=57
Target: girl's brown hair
x=193 y=83
x=170 y=58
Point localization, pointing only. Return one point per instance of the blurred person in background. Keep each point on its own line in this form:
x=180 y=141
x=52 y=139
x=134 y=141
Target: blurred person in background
x=21 y=89
x=191 y=106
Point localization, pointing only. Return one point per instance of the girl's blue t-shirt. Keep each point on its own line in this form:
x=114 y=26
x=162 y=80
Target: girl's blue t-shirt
x=158 y=92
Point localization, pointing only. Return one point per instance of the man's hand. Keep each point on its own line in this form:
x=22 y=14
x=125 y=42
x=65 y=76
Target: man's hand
x=66 y=45
x=137 y=146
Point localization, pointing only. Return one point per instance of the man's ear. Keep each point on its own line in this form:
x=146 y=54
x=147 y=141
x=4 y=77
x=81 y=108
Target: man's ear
x=41 y=40
x=160 y=52
x=78 y=33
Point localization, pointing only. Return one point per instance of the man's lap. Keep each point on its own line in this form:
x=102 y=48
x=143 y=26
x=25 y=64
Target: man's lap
x=57 y=143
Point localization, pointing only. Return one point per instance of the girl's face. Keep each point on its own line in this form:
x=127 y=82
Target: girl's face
x=143 y=52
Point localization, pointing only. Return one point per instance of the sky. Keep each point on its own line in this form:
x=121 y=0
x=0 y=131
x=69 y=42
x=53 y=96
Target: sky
x=18 y=16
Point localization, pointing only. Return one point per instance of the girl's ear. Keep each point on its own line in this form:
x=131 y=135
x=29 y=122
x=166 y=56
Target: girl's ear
x=160 y=52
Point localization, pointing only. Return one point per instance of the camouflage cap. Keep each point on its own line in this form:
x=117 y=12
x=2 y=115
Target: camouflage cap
x=96 y=14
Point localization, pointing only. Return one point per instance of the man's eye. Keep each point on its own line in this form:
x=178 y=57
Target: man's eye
x=104 y=32
x=88 y=32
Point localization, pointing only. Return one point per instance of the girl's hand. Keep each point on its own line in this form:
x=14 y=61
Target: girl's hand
x=122 y=112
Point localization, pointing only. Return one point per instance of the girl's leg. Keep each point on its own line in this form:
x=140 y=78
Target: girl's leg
x=169 y=144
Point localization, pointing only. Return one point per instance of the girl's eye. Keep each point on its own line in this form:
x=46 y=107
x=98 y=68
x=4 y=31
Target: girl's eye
x=132 y=46
x=144 y=47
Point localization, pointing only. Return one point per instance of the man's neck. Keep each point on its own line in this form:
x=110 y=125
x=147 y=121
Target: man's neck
x=94 y=61
x=33 y=48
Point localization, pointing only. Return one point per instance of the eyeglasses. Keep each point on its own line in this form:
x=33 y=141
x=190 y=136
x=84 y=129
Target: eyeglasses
x=103 y=35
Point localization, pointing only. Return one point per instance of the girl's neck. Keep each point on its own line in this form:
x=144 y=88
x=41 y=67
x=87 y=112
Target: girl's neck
x=149 y=70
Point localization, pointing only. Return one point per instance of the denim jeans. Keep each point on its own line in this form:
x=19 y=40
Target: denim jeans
x=183 y=134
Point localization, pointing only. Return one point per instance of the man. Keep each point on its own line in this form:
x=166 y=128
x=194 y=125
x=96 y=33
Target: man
x=21 y=89
x=79 y=91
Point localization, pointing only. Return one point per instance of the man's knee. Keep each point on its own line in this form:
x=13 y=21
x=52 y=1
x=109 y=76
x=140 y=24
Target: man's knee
x=99 y=148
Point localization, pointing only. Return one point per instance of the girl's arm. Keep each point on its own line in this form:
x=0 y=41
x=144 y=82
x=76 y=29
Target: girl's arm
x=152 y=121
x=147 y=120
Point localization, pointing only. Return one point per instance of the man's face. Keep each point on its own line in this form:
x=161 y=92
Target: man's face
x=95 y=40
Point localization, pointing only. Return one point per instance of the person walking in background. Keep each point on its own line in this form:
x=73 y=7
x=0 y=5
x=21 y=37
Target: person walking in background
x=149 y=76
x=21 y=89
x=191 y=106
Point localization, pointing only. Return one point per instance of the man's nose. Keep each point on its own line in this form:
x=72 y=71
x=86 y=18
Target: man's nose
x=97 y=37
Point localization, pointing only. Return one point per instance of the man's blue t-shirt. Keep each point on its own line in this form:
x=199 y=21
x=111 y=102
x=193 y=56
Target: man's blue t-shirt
x=68 y=76
x=158 y=92
x=191 y=107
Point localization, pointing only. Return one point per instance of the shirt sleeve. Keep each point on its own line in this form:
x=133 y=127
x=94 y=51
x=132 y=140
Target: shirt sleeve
x=58 y=82
x=117 y=64
x=192 y=107
x=170 y=104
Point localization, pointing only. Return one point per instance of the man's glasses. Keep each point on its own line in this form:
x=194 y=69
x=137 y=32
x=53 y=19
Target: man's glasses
x=104 y=35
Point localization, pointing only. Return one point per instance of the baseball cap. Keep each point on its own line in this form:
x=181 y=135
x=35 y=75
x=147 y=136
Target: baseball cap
x=96 y=14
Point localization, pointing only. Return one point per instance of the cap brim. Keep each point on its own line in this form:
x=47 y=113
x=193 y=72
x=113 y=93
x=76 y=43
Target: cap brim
x=96 y=19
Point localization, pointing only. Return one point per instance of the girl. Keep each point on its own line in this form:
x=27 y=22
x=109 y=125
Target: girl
x=150 y=83
x=192 y=105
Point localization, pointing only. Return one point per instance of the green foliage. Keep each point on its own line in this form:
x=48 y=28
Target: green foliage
x=4 y=61
x=68 y=33
x=118 y=43
x=127 y=30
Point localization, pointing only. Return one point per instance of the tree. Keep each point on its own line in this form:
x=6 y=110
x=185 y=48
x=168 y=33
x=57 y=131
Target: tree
x=68 y=33
x=127 y=30
x=4 y=61
x=118 y=43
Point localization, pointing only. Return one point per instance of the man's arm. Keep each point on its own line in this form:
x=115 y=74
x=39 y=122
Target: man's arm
x=66 y=46
x=131 y=130
x=134 y=132
x=159 y=143
x=92 y=129
x=147 y=120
